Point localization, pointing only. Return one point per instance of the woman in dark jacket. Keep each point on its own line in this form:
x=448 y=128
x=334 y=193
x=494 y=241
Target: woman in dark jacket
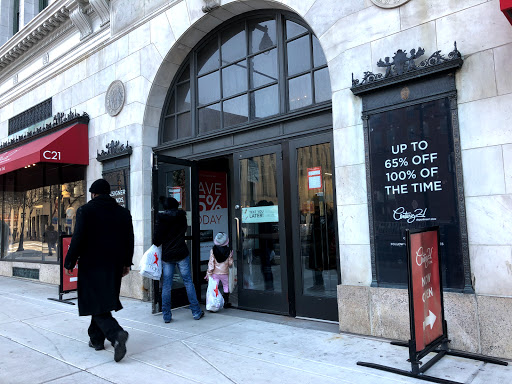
x=170 y=229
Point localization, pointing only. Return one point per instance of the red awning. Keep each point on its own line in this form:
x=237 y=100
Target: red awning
x=506 y=8
x=69 y=146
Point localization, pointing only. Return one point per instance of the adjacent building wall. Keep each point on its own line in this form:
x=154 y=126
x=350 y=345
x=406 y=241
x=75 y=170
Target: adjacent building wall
x=6 y=20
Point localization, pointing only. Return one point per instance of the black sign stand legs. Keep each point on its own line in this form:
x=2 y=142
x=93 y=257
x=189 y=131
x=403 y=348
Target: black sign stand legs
x=418 y=372
x=454 y=352
x=475 y=356
x=61 y=300
x=407 y=373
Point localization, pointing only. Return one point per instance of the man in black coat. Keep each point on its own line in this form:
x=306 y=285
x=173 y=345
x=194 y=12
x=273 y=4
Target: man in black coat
x=103 y=246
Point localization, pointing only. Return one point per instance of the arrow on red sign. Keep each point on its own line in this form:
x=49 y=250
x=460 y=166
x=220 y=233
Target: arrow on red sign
x=429 y=320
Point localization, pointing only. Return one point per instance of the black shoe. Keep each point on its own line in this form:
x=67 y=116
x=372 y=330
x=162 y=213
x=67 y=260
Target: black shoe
x=97 y=347
x=120 y=346
x=227 y=304
x=200 y=316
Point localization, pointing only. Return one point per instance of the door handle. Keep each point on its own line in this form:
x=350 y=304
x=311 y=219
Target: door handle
x=237 y=231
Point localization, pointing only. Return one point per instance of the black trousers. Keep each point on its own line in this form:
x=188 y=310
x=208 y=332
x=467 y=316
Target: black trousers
x=103 y=326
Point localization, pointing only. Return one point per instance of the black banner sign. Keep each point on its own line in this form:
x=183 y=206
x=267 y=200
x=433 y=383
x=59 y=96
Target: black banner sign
x=413 y=185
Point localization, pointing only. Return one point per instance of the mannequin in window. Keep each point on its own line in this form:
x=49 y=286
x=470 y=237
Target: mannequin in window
x=70 y=216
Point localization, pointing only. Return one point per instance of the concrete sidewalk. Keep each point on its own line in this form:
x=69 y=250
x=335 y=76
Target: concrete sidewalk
x=43 y=341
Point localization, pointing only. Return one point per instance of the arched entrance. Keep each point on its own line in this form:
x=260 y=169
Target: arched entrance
x=245 y=144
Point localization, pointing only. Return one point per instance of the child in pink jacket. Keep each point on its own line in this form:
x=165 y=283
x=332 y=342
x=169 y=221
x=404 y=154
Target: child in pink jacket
x=221 y=259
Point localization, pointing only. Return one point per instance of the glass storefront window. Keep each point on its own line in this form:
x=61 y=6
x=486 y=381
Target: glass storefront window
x=235 y=111
x=298 y=57
x=119 y=180
x=322 y=85
x=294 y=29
x=263 y=35
x=234 y=79
x=265 y=60
x=265 y=102
x=260 y=223
x=208 y=88
x=209 y=118
x=33 y=220
x=263 y=68
x=300 y=94
x=233 y=44
x=317 y=221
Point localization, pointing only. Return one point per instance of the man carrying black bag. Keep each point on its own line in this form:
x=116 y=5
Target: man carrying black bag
x=103 y=246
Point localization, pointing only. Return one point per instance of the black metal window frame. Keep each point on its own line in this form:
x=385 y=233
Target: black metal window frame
x=42 y=4
x=31 y=116
x=15 y=16
x=190 y=64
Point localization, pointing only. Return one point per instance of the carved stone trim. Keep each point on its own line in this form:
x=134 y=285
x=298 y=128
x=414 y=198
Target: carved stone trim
x=210 y=5
x=114 y=149
x=461 y=201
x=40 y=47
x=33 y=37
x=404 y=68
x=59 y=120
x=369 y=198
x=102 y=8
x=82 y=21
x=46 y=58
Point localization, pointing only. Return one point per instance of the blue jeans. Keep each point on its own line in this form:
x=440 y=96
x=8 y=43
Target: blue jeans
x=168 y=273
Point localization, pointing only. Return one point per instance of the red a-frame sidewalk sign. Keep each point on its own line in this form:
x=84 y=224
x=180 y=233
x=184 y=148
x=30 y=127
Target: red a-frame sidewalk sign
x=426 y=309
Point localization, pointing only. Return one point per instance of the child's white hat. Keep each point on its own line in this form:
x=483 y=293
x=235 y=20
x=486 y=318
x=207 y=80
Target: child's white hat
x=221 y=239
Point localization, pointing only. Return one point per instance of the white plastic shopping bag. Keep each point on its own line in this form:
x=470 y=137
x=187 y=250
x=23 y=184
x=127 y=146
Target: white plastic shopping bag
x=214 y=299
x=151 y=263
x=232 y=278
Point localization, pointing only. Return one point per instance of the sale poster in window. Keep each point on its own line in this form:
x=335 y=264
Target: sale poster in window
x=213 y=208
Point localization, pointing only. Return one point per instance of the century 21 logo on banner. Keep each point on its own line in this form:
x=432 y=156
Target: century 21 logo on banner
x=51 y=155
x=424 y=257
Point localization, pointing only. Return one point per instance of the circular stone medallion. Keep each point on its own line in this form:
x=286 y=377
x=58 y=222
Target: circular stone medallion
x=389 y=3
x=114 y=99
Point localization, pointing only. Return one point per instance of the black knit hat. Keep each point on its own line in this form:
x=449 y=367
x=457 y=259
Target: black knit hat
x=171 y=203
x=100 y=187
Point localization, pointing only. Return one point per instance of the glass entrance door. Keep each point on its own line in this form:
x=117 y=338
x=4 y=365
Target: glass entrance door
x=178 y=178
x=314 y=233
x=260 y=228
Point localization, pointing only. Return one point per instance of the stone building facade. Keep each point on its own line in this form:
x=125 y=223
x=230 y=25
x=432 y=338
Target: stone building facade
x=72 y=51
